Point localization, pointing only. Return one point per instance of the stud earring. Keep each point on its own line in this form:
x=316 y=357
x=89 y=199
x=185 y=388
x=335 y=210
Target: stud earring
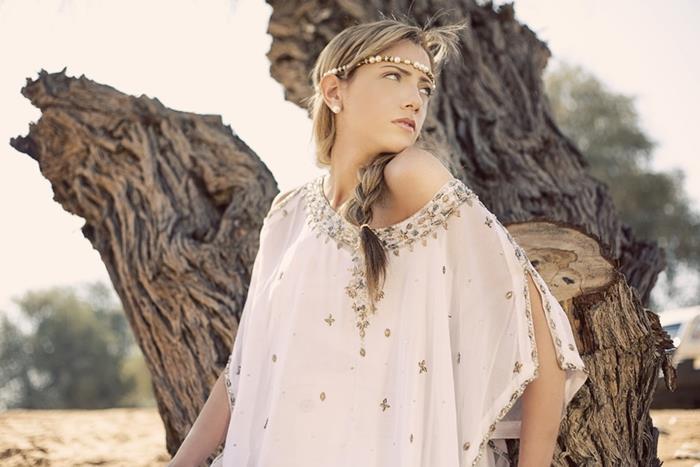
x=335 y=109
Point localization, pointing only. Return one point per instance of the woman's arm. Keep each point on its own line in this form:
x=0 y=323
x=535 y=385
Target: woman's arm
x=543 y=398
x=208 y=431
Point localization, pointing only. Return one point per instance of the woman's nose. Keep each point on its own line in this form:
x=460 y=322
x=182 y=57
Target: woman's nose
x=414 y=100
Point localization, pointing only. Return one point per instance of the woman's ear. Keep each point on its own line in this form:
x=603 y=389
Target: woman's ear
x=330 y=90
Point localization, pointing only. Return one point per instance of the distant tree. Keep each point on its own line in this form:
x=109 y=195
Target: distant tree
x=14 y=364
x=72 y=355
x=605 y=127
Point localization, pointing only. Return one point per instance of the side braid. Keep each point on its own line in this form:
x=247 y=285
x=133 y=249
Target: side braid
x=371 y=187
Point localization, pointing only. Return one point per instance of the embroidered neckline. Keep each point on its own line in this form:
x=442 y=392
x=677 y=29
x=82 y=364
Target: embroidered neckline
x=415 y=227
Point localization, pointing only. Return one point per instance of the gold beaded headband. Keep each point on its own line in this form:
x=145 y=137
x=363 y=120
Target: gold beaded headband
x=385 y=58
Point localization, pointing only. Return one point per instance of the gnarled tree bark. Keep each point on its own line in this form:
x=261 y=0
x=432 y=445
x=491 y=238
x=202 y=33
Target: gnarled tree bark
x=173 y=202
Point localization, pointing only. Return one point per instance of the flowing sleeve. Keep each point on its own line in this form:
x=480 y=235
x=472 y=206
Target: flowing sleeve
x=270 y=243
x=491 y=327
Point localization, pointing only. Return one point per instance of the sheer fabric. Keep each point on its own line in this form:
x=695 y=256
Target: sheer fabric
x=433 y=378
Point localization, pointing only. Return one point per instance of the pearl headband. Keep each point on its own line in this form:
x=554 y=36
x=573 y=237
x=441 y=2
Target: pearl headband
x=385 y=58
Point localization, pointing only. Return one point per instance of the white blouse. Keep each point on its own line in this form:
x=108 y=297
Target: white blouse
x=433 y=378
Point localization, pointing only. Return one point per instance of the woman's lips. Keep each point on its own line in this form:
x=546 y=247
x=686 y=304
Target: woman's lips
x=404 y=125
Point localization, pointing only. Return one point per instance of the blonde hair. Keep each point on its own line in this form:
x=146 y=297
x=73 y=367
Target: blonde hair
x=349 y=47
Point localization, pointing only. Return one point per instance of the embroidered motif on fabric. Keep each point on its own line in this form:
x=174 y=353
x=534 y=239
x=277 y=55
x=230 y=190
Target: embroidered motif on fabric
x=417 y=227
x=280 y=201
x=357 y=290
x=384 y=405
x=527 y=267
x=425 y=222
x=227 y=382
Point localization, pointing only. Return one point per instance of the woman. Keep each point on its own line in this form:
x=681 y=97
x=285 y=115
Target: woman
x=391 y=320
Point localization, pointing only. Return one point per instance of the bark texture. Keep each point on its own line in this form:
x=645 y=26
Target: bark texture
x=173 y=202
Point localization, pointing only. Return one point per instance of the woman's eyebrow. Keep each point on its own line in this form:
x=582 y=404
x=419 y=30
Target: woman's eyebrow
x=408 y=73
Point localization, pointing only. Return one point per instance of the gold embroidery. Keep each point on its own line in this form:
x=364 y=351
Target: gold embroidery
x=387 y=332
x=419 y=228
x=330 y=319
x=357 y=290
x=517 y=367
x=443 y=269
x=266 y=422
x=546 y=298
x=509 y=294
x=274 y=357
x=420 y=225
x=527 y=267
x=411 y=438
x=228 y=383
x=459 y=356
x=422 y=367
x=323 y=396
x=466 y=445
x=384 y=405
x=425 y=222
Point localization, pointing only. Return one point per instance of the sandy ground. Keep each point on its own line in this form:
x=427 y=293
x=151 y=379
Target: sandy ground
x=679 y=437
x=113 y=437
x=135 y=437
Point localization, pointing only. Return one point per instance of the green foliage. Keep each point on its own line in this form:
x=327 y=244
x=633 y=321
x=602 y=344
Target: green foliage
x=605 y=127
x=77 y=353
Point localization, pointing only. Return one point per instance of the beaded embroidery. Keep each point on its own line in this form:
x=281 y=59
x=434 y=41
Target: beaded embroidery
x=423 y=224
x=417 y=227
x=227 y=381
x=527 y=268
x=539 y=282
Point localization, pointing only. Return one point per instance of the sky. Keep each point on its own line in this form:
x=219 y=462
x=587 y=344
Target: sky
x=209 y=57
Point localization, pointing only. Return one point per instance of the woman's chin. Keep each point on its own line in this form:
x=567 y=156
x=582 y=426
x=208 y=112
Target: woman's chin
x=398 y=144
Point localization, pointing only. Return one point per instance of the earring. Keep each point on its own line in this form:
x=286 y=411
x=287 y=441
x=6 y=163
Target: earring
x=335 y=109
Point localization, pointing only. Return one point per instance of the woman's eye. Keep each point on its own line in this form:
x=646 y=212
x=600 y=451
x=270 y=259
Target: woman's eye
x=428 y=91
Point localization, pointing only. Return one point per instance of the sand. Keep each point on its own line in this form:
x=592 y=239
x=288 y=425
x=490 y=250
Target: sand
x=136 y=438
x=112 y=437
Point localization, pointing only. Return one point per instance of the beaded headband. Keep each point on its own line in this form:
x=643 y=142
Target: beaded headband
x=385 y=58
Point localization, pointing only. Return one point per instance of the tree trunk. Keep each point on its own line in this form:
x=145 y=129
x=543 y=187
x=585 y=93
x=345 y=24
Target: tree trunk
x=174 y=201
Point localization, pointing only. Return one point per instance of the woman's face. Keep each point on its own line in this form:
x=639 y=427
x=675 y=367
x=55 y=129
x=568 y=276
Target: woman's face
x=378 y=93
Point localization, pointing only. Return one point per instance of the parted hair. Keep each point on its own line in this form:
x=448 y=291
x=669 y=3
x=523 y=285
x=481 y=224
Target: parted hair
x=349 y=47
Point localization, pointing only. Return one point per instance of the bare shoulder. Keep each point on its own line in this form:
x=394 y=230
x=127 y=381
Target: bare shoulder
x=413 y=177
